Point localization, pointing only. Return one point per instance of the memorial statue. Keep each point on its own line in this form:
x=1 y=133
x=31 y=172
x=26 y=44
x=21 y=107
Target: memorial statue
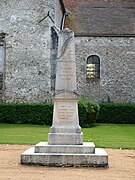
x=66 y=65
x=65 y=128
x=65 y=146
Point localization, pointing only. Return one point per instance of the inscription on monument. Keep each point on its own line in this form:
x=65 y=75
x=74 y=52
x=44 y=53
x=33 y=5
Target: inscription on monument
x=66 y=70
x=65 y=114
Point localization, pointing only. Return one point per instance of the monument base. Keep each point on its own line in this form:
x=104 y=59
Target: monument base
x=65 y=155
x=65 y=138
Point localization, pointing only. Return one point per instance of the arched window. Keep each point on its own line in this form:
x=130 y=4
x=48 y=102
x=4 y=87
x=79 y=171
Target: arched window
x=93 y=67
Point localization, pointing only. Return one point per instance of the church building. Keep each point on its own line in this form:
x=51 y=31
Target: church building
x=104 y=46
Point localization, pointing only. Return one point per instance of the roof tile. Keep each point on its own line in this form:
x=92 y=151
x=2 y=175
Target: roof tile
x=101 y=17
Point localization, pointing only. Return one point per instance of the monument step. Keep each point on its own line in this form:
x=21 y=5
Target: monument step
x=65 y=138
x=98 y=159
x=66 y=129
x=86 y=148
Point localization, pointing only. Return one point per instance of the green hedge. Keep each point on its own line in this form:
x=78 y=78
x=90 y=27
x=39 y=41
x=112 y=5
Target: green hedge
x=26 y=113
x=42 y=114
x=89 y=113
x=121 y=113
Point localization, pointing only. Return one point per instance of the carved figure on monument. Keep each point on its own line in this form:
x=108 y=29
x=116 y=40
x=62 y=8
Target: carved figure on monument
x=66 y=65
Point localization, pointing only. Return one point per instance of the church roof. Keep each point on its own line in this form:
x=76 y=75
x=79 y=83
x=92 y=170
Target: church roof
x=101 y=17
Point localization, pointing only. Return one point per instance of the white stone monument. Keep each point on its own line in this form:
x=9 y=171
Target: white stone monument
x=65 y=145
x=65 y=128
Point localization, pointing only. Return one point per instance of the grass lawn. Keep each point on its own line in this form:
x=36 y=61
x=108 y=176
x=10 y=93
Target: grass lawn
x=103 y=135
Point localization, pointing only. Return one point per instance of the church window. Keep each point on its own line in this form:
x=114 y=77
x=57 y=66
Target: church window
x=93 y=67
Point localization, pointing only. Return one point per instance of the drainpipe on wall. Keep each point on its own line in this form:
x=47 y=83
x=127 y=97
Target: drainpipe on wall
x=64 y=15
x=2 y=66
x=62 y=22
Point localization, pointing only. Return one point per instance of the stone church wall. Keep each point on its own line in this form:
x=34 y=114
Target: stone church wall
x=30 y=52
x=117 y=68
x=27 y=62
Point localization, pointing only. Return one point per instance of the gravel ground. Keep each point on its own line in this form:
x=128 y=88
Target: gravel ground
x=121 y=166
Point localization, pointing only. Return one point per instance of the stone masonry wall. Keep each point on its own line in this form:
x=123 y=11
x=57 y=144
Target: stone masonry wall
x=27 y=64
x=117 y=68
x=31 y=51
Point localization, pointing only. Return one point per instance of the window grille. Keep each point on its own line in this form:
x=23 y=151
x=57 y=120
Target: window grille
x=93 y=67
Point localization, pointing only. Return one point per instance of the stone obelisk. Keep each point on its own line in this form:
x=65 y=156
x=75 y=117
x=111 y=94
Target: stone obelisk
x=65 y=128
x=65 y=145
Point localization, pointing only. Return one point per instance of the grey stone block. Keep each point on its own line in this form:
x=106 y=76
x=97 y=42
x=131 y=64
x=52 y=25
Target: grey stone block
x=65 y=138
x=86 y=148
x=97 y=159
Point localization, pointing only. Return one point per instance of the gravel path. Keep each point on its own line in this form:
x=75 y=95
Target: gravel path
x=121 y=166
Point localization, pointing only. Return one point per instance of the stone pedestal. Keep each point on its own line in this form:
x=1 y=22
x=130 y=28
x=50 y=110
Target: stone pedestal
x=65 y=155
x=65 y=129
x=65 y=145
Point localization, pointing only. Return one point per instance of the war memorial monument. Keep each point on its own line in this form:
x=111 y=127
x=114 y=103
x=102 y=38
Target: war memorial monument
x=65 y=146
